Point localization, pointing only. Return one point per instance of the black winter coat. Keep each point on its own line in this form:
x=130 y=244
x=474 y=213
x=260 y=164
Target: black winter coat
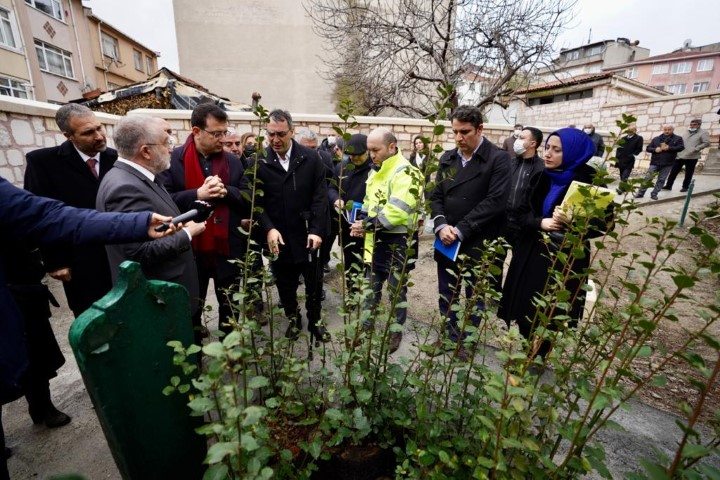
x=60 y=173
x=625 y=153
x=472 y=198
x=529 y=268
x=174 y=181
x=522 y=175
x=663 y=159
x=294 y=202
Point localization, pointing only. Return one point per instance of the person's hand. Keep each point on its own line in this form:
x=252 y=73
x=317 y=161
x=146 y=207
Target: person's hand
x=561 y=216
x=664 y=146
x=245 y=224
x=274 y=240
x=155 y=221
x=658 y=150
x=550 y=225
x=447 y=235
x=339 y=204
x=313 y=242
x=357 y=229
x=62 y=274
x=212 y=188
x=195 y=228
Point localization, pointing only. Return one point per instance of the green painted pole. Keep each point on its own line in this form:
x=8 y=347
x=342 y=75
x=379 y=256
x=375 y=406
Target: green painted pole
x=687 y=202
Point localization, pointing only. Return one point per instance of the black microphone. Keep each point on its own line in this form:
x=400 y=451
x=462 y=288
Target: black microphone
x=199 y=213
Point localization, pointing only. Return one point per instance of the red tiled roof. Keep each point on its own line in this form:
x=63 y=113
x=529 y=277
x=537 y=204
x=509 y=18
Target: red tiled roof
x=584 y=78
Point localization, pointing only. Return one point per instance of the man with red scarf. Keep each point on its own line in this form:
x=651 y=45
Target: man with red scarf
x=201 y=170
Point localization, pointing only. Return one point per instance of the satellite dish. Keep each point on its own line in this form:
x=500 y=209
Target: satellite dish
x=687 y=43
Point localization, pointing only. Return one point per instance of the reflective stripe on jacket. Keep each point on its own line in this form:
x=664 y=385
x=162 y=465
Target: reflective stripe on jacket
x=391 y=199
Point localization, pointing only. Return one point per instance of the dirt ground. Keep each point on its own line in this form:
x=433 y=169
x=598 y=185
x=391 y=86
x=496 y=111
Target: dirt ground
x=81 y=448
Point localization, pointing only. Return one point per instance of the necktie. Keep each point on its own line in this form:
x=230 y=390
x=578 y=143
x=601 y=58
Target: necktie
x=91 y=162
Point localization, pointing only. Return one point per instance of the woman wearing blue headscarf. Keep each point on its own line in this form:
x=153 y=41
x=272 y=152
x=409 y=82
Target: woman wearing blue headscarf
x=567 y=152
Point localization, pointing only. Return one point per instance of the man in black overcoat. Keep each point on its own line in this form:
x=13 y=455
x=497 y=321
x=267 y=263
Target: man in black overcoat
x=468 y=205
x=201 y=170
x=294 y=217
x=71 y=173
x=630 y=146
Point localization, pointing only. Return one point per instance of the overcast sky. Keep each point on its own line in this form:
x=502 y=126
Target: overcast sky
x=660 y=25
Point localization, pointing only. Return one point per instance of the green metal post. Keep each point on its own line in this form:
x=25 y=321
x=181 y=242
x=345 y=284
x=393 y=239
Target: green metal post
x=687 y=202
x=120 y=345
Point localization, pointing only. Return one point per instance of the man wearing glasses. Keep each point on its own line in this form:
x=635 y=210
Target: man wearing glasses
x=295 y=220
x=132 y=186
x=201 y=170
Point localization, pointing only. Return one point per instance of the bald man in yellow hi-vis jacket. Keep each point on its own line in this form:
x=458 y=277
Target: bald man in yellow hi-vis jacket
x=390 y=227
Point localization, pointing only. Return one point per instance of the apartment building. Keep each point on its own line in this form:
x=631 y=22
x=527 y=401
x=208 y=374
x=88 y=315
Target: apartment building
x=686 y=70
x=58 y=50
x=592 y=58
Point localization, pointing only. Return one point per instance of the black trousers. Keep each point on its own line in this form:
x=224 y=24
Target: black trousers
x=205 y=273
x=4 y=475
x=689 y=165
x=353 y=256
x=287 y=280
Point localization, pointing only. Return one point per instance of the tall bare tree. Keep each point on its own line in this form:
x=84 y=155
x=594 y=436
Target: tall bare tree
x=392 y=55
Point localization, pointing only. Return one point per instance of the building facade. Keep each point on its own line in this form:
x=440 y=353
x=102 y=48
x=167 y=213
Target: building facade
x=686 y=70
x=592 y=58
x=57 y=51
x=237 y=48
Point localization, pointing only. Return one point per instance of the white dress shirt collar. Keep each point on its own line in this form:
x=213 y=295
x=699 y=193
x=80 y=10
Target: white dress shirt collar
x=139 y=168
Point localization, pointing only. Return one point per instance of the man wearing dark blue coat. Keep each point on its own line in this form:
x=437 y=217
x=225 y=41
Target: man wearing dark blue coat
x=41 y=221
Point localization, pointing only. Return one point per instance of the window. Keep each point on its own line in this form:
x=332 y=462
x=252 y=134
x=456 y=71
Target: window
x=660 y=69
x=705 y=65
x=597 y=50
x=563 y=97
x=12 y=88
x=149 y=63
x=594 y=68
x=51 y=7
x=678 y=88
x=110 y=46
x=681 y=67
x=7 y=30
x=701 y=87
x=54 y=60
x=631 y=72
x=137 y=56
x=574 y=55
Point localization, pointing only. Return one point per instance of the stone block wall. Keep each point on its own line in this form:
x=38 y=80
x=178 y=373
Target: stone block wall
x=651 y=114
x=26 y=125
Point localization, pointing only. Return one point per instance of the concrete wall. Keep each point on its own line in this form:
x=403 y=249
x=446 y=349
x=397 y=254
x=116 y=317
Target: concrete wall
x=237 y=48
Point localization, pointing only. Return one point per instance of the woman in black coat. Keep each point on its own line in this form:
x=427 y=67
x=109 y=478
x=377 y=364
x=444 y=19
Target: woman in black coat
x=566 y=154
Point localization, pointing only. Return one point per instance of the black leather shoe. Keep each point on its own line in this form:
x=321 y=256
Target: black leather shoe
x=319 y=333
x=7 y=453
x=293 y=330
x=683 y=190
x=395 y=340
x=52 y=418
x=667 y=188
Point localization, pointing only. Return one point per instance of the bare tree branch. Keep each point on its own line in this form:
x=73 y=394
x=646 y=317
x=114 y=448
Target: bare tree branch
x=392 y=55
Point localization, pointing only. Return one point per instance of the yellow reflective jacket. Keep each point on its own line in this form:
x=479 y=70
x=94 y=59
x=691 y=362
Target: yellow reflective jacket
x=391 y=199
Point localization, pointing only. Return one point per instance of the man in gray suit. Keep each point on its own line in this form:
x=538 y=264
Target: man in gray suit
x=144 y=148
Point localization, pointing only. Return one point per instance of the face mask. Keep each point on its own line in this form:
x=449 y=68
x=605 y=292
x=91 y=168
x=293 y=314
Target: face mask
x=588 y=131
x=519 y=147
x=692 y=130
x=249 y=150
x=517 y=133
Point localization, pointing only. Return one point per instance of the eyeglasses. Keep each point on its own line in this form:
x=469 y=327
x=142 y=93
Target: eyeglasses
x=230 y=144
x=277 y=134
x=169 y=143
x=216 y=135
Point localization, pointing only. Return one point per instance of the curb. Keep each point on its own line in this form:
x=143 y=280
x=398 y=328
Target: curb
x=675 y=199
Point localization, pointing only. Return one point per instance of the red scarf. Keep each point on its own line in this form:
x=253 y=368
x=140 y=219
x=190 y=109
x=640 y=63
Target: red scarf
x=215 y=237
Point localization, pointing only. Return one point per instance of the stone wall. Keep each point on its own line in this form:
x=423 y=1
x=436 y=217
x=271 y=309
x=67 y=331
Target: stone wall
x=26 y=125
